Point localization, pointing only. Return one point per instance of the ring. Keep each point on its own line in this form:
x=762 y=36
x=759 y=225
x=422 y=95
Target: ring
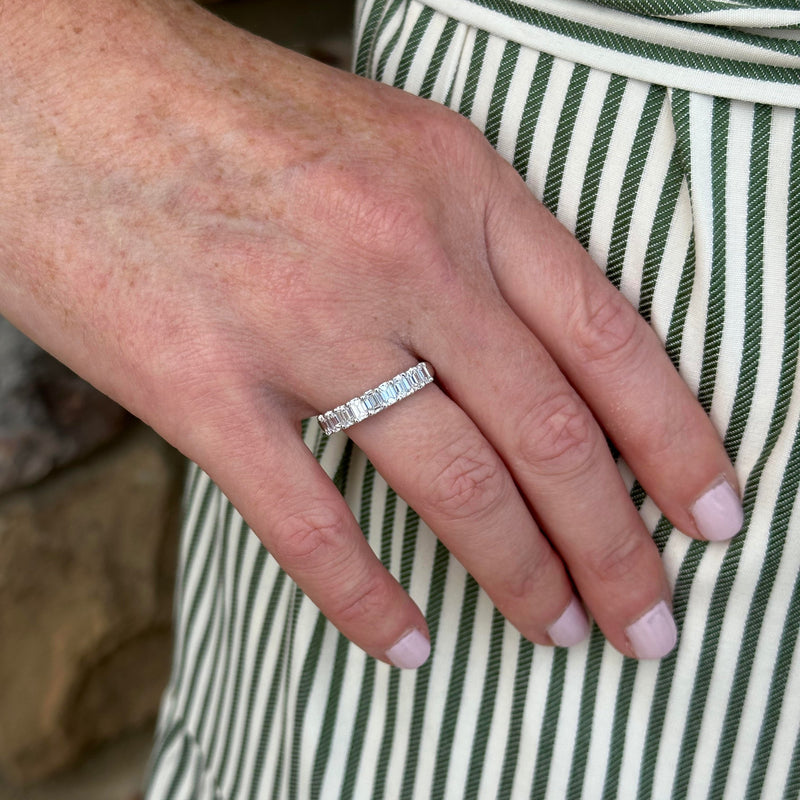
x=375 y=400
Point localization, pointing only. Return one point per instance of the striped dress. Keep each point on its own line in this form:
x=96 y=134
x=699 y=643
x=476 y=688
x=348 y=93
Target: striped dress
x=665 y=135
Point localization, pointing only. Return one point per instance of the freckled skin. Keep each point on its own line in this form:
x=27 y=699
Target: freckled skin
x=227 y=237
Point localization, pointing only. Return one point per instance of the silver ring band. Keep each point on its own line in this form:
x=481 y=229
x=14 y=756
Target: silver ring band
x=375 y=400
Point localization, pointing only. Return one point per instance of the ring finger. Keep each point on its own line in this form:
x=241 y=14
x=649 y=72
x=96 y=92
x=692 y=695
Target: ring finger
x=456 y=481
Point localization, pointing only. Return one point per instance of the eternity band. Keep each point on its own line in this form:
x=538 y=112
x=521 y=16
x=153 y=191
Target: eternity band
x=375 y=400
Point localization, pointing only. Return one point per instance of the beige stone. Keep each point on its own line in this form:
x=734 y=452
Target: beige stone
x=86 y=566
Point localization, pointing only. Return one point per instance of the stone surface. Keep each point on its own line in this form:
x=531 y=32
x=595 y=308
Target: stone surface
x=113 y=772
x=86 y=568
x=48 y=416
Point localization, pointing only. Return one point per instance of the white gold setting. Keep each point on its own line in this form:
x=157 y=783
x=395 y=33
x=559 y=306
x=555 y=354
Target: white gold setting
x=375 y=400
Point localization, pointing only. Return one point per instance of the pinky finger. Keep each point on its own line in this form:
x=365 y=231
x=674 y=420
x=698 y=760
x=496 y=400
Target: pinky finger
x=302 y=519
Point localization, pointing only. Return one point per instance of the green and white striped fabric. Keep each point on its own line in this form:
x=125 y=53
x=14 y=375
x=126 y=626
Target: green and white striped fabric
x=760 y=14
x=687 y=193
x=734 y=58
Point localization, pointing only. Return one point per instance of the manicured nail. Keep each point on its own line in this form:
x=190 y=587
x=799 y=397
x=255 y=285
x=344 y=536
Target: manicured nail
x=411 y=651
x=654 y=634
x=718 y=513
x=571 y=627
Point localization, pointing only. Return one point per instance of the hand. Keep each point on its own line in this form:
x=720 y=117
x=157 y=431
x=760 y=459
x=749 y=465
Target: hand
x=228 y=238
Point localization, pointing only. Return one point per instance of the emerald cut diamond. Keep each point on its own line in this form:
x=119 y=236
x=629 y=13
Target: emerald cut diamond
x=403 y=386
x=358 y=408
x=388 y=393
x=346 y=418
x=372 y=400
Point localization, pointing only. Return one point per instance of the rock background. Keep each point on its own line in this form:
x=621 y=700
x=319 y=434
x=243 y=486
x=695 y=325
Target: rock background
x=89 y=517
x=86 y=565
x=48 y=416
x=89 y=514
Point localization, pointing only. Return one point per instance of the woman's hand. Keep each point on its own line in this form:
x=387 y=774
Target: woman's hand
x=228 y=238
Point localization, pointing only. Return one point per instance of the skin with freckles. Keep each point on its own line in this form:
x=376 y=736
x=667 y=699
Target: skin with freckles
x=227 y=238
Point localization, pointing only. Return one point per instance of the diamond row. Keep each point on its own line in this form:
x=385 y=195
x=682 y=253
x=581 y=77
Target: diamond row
x=375 y=400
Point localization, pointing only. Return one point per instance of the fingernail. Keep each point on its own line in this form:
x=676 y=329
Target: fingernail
x=571 y=627
x=411 y=651
x=718 y=513
x=654 y=634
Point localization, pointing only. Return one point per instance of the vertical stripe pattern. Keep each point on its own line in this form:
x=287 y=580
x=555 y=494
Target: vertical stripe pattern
x=691 y=205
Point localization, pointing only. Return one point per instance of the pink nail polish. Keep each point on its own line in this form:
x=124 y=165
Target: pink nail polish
x=654 y=634
x=410 y=651
x=571 y=627
x=718 y=513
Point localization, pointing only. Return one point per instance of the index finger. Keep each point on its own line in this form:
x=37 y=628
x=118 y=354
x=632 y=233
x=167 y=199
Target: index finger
x=618 y=365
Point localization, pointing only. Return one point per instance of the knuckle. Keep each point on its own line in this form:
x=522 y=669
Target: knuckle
x=399 y=233
x=448 y=132
x=607 y=330
x=366 y=599
x=528 y=577
x=621 y=559
x=384 y=220
x=557 y=435
x=312 y=540
x=467 y=482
